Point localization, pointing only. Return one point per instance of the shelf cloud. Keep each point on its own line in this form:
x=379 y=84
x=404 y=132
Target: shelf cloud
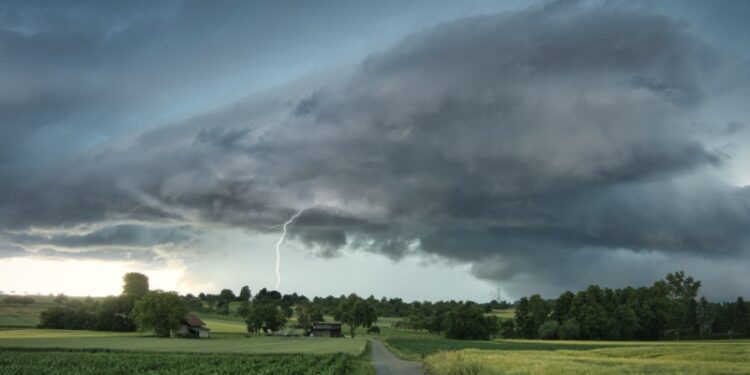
x=533 y=145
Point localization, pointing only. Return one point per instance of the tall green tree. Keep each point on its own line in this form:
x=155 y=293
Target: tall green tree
x=265 y=315
x=467 y=322
x=160 y=311
x=135 y=284
x=307 y=314
x=244 y=294
x=683 y=290
x=704 y=317
x=740 y=318
x=356 y=312
x=525 y=325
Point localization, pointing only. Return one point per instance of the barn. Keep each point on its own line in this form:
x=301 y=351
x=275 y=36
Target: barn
x=192 y=326
x=323 y=329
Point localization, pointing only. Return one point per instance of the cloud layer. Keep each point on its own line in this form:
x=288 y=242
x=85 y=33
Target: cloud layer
x=533 y=145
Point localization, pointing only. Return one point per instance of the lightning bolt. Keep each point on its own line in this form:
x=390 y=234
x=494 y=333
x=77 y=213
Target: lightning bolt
x=278 y=246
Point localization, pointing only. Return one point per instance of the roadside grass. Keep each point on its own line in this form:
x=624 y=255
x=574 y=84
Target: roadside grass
x=645 y=358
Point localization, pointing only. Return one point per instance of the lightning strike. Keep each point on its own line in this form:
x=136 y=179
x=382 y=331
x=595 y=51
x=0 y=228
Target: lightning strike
x=278 y=247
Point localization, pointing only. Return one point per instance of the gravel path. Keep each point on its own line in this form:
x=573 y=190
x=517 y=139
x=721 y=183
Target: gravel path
x=386 y=363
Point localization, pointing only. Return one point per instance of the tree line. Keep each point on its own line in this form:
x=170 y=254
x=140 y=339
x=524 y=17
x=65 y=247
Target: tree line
x=668 y=309
x=108 y=314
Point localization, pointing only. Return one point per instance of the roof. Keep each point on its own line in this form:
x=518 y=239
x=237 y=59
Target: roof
x=325 y=325
x=192 y=320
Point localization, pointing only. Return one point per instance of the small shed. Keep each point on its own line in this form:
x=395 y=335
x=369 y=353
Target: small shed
x=192 y=326
x=323 y=329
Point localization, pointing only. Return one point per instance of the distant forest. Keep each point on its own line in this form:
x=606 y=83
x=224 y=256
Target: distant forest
x=668 y=310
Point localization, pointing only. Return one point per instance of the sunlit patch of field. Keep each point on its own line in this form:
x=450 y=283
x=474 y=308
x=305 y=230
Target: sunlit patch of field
x=634 y=358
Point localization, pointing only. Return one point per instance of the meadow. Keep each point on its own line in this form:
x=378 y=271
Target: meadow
x=13 y=315
x=417 y=348
x=634 y=358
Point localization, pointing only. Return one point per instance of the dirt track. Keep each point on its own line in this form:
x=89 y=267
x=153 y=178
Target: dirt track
x=386 y=363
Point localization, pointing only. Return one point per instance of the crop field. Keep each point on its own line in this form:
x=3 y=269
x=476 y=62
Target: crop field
x=98 y=362
x=643 y=358
x=26 y=350
x=419 y=348
x=222 y=343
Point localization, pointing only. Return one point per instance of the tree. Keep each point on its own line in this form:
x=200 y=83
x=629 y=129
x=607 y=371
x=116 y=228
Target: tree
x=507 y=329
x=356 y=312
x=682 y=290
x=307 y=314
x=225 y=297
x=570 y=330
x=524 y=323
x=467 y=322
x=740 y=318
x=704 y=317
x=135 y=285
x=114 y=314
x=160 y=311
x=244 y=309
x=549 y=330
x=626 y=322
x=265 y=315
x=244 y=294
x=561 y=310
x=61 y=299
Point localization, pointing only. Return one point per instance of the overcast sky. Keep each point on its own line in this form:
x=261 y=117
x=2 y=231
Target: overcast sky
x=435 y=149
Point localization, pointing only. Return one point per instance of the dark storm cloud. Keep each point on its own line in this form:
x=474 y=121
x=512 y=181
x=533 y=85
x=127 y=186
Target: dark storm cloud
x=535 y=143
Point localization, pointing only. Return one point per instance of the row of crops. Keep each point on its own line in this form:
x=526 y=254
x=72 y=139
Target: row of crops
x=22 y=361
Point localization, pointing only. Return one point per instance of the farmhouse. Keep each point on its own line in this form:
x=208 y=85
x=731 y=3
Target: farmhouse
x=191 y=326
x=323 y=329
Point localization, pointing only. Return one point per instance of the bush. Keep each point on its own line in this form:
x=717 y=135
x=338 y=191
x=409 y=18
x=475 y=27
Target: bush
x=549 y=330
x=374 y=329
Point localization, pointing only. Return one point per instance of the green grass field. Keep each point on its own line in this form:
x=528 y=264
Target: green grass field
x=634 y=358
x=219 y=343
x=14 y=315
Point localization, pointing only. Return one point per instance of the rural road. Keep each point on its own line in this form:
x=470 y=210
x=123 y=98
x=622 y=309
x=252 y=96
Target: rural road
x=386 y=363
